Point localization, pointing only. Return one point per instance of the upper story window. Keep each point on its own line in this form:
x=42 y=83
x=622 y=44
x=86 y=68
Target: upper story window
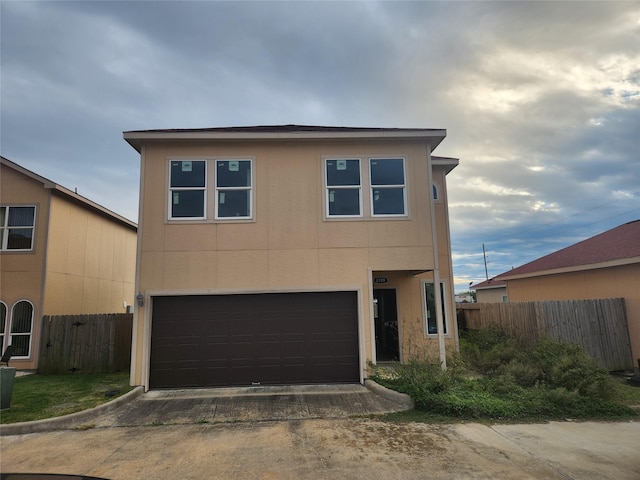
x=187 y=189
x=387 y=186
x=344 y=189
x=436 y=196
x=233 y=189
x=17 y=224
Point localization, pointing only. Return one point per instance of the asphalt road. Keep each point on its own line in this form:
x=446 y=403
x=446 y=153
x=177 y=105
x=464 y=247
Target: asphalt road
x=345 y=448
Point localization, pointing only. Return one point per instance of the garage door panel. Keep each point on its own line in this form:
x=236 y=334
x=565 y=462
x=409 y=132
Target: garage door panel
x=263 y=338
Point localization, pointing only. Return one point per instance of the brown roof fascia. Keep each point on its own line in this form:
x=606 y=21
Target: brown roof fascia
x=448 y=163
x=494 y=282
x=70 y=195
x=136 y=138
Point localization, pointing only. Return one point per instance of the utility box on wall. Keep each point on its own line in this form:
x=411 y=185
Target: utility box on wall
x=7 y=379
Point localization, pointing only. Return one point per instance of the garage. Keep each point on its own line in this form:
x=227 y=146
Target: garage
x=254 y=339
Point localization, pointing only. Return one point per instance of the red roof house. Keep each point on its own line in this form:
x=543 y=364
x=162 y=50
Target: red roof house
x=604 y=266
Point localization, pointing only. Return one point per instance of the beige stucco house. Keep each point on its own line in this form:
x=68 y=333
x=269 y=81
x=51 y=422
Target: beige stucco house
x=604 y=266
x=289 y=254
x=60 y=254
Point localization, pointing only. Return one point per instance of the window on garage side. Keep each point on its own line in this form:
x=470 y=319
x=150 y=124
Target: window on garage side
x=344 y=188
x=387 y=186
x=17 y=225
x=187 y=189
x=430 y=308
x=21 y=326
x=233 y=189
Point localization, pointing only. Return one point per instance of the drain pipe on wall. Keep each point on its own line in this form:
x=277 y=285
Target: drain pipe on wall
x=437 y=292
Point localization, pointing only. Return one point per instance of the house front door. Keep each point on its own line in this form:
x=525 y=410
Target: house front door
x=386 y=325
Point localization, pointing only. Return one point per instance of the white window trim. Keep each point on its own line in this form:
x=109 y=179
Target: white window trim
x=403 y=186
x=6 y=326
x=171 y=189
x=445 y=311
x=22 y=334
x=4 y=238
x=226 y=189
x=350 y=187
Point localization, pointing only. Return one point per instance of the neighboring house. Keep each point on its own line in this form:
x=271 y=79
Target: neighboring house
x=604 y=266
x=464 y=297
x=289 y=254
x=60 y=254
x=491 y=291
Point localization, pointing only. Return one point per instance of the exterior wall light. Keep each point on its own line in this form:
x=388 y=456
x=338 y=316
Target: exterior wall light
x=140 y=299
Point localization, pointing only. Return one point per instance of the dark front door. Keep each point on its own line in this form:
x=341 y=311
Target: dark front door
x=249 y=339
x=386 y=325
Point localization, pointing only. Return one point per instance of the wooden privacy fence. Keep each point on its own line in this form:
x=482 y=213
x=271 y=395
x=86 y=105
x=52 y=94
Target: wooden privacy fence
x=599 y=326
x=98 y=343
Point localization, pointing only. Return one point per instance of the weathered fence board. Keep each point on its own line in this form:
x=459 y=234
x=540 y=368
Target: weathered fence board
x=599 y=326
x=96 y=343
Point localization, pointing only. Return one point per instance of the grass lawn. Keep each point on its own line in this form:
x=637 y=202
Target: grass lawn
x=44 y=396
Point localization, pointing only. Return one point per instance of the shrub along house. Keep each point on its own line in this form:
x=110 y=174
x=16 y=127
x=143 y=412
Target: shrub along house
x=61 y=254
x=289 y=254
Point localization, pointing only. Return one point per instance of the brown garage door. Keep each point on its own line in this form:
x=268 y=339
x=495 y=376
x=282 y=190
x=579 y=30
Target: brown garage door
x=266 y=339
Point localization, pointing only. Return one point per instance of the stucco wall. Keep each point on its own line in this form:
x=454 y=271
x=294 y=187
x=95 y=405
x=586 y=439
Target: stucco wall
x=613 y=282
x=289 y=244
x=490 y=295
x=22 y=272
x=90 y=263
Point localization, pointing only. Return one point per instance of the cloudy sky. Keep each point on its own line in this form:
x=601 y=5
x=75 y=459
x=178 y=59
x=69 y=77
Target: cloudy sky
x=541 y=100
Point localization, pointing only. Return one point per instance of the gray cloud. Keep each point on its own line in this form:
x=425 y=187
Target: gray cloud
x=540 y=99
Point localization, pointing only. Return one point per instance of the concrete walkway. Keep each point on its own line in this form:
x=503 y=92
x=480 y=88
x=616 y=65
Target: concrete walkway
x=183 y=407
x=198 y=406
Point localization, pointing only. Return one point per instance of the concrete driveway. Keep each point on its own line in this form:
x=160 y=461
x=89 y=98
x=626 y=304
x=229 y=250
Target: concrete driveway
x=306 y=433
x=344 y=448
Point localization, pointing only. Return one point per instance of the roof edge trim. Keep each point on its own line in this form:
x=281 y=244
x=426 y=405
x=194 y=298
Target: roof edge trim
x=136 y=138
x=578 y=268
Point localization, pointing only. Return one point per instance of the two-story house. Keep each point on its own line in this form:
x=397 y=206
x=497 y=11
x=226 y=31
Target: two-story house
x=60 y=254
x=289 y=254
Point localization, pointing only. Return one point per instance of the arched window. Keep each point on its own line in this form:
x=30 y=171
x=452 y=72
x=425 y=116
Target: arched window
x=3 y=324
x=21 y=325
x=436 y=195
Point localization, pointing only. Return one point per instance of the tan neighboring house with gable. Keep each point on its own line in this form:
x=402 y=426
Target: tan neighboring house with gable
x=603 y=266
x=289 y=254
x=60 y=254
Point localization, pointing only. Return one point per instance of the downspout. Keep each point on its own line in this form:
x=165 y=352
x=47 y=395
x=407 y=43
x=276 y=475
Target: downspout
x=452 y=292
x=437 y=293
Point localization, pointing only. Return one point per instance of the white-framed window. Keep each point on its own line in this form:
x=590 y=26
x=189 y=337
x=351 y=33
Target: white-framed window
x=505 y=298
x=344 y=187
x=429 y=305
x=436 y=193
x=187 y=189
x=3 y=324
x=388 y=185
x=17 y=226
x=234 y=189
x=21 y=328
